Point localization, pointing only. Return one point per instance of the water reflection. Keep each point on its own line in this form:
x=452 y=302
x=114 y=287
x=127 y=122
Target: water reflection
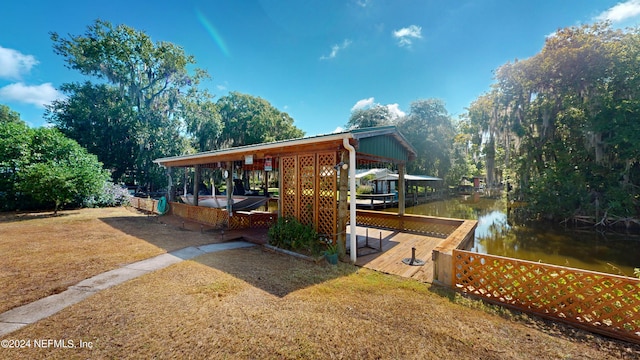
x=614 y=253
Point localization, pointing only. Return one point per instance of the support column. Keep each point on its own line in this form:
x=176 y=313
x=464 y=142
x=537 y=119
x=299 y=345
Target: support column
x=401 y=189
x=280 y=187
x=170 y=192
x=343 y=187
x=196 y=184
x=186 y=180
x=230 y=188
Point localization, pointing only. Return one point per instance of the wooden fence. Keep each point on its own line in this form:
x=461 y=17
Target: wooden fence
x=603 y=303
x=217 y=218
x=424 y=225
x=144 y=204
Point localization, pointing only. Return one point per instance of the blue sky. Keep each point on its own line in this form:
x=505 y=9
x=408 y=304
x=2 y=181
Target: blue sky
x=316 y=60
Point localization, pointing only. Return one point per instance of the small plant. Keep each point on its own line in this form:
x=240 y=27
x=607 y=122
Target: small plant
x=330 y=247
x=364 y=189
x=288 y=233
x=636 y=272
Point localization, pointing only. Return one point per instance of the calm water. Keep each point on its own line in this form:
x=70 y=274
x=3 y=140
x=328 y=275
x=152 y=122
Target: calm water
x=614 y=253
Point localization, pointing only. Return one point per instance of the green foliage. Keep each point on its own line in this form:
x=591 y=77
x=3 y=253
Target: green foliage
x=364 y=189
x=636 y=272
x=15 y=139
x=562 y=123
x=252 y=120
x=59 y=171
x=428 y=127
x=377 y=115
x=141 y=113
x=99 y=118
x=288 y=233
x=330 y=247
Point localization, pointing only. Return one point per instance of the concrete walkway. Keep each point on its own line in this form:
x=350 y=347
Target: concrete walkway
x=24 y=315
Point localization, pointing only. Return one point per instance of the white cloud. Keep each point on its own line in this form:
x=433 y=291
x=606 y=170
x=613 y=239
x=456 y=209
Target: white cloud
x=14 y=63
x=394 y=110
x=39 y=95
x=406 y=35
x=339 y=129
x=363 y=3
x=621 y=12
x=335 y=49
x=364 y=103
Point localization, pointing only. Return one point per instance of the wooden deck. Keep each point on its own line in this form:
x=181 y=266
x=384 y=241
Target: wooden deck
x=395 y=247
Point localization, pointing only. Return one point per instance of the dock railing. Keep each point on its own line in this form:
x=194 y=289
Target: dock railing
x=598 y=302
x=424 y=225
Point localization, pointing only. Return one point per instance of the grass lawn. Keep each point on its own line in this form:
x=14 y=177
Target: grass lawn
x=248 y=303
x=42 y=254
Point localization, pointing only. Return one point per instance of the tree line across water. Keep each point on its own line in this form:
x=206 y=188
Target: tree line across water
x=560 y=128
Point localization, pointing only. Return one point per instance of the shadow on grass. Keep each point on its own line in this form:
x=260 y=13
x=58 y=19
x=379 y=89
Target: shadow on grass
x=32 y=215
x=276 y=273
x=273 y=272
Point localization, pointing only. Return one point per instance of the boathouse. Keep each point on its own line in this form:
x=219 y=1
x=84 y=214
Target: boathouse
x=315 y=174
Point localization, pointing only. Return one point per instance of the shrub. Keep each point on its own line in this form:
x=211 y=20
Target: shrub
x=111 y=195
x=364 y=189
x=290 y=234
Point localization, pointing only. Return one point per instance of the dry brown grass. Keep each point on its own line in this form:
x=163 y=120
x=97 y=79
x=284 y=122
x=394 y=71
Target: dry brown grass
x=44 y=254
x=247 y=303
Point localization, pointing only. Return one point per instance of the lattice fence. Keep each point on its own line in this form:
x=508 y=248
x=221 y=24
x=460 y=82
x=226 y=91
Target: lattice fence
x=309 y=190
x=254 y=220
x=326 y=200
x=599 y=302
x=306 y=201
x=217 y=218
x=424 y=225
x=289 y=186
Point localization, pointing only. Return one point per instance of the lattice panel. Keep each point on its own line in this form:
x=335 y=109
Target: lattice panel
x=327 y=196
x=603 y=303
x=417 y=224
x=289 y=186
x=216 y=218
x=263 y=220
x=239 y=221
x=306 y=165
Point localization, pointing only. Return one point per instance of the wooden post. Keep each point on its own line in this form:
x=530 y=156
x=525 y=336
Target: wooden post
x=170 y=185
x=196 y=184
x=280 y=187
x=343 y=187
x=229 y=180
x=401 y=188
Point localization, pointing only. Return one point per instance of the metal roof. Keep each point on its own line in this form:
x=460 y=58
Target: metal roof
x=383 y=142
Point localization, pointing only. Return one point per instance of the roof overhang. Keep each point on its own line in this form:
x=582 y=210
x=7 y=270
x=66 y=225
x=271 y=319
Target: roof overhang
x=328 y=142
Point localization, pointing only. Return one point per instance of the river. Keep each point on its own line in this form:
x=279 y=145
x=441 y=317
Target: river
x=610 y=252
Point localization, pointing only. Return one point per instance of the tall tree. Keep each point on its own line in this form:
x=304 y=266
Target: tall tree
x=252 y=120
x=15 y=137
x=377 y=115
x=202 y=119
x=568 y=112
x=99 y=118
x=428 y=127
x=151 y=78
